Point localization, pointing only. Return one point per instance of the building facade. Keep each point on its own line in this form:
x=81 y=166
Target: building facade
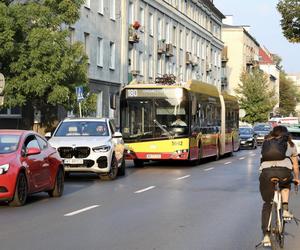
x=99 y=29
x=267 y=65
x=240 y=54
x=176 y=37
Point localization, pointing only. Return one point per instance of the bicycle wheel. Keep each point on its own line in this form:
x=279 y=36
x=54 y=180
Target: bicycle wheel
x=281 y=228
x=275 y=229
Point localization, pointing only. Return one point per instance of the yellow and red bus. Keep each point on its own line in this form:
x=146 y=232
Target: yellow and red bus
x=187 y=121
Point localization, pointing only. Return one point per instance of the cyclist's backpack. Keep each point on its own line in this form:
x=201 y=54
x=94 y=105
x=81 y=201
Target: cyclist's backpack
x=274 y=149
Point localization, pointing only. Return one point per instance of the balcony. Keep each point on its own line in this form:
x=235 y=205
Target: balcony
x=169 y=50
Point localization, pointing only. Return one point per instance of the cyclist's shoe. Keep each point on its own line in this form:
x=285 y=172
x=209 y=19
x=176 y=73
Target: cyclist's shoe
x=287 y=215
x=266 y=242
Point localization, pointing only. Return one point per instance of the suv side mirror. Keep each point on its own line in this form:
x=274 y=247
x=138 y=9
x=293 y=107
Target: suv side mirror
x=48 y=135
x=117 y=135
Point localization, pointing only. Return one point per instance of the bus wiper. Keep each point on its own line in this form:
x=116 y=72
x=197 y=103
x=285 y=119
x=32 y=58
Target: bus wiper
x=163 y=129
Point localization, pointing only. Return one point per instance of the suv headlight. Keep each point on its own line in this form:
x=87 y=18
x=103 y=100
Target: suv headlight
x=101 y=149
x=4 y=168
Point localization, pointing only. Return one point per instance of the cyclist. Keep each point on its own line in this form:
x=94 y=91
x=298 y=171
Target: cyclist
x=283 y=170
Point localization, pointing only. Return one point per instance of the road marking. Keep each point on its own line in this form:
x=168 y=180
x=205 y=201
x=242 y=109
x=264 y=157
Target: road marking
x=253 y=154
x=242 y=158
x=207 y=169
x=183 y=177
x=144 y=190
x=226 y=163
x=81 y=210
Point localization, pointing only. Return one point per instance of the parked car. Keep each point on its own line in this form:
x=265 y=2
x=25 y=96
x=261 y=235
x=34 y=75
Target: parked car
x=247 y=138
x=28 y=164
x=295 y=133
x=90 y=145
x=261 y=129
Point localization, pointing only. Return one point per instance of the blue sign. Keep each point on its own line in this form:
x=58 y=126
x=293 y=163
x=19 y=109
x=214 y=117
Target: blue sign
x=79 y=93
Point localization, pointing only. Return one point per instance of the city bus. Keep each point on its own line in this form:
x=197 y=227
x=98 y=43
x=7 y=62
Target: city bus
x=149 y=117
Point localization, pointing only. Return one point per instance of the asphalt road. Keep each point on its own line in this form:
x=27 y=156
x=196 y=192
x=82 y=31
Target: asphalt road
x=213 y=206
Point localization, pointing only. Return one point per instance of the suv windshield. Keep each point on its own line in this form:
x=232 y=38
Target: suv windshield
x=262 y=128
x=8 y=143
x=246 y=131
x=82 y=128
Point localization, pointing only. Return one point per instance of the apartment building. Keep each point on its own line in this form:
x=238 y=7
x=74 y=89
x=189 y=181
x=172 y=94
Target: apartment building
x=267 y=65
x=241 y=53
x=179 y=37
x=99 y=29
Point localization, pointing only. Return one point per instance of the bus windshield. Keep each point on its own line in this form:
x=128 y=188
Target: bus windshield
x=154 y=117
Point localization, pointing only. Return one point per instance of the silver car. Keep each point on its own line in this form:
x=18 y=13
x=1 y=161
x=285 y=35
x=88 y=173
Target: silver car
x=90 y=145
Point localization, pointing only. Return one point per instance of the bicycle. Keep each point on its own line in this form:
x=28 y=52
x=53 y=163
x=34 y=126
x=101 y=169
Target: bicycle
x=277 y=222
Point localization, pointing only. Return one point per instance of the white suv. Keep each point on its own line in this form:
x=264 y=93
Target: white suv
x=90 y=145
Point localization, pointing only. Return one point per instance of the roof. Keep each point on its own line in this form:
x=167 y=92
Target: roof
x=70 y=119
x=201 y=87
x=264 y=57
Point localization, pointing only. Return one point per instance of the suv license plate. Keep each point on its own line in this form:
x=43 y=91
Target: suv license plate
x=73 y=161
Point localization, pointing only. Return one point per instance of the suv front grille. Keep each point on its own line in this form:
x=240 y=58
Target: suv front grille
x=78 y=152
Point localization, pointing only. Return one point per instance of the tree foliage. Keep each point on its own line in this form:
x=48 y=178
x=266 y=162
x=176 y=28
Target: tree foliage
x=290 y=21
x=39 y=63
x=255 y=96
x=289 y=96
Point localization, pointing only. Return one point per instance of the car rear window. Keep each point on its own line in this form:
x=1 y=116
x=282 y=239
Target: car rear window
x=82 y=128
x=295 y=135
x=8 y=143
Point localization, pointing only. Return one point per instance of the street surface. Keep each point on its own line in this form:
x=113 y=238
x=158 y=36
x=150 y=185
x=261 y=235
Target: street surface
x=213 y=206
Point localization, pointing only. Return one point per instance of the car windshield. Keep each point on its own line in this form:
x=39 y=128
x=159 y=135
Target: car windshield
x=246 y=131
x=262 y=128
x=82 y=128
x=8 y=143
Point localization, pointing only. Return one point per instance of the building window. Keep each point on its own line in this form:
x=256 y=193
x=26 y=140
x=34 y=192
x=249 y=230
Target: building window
x=11 y=112
x=112 y=9
x=151 y=66
x=142 y=17
x=159 y=67
x=72 y=35
x=151 y=26
x=100 y=7
x=174 y=34
x=100 y=52
x=141 y=63
x=112 y=50
x=87 y=4
x=87 y=45
x=159 y=29
x=99 y=104
x=181 y=39
x=130 y=13
x=168 y=37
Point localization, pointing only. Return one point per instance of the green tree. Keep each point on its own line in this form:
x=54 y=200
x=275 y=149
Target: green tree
x=289 y=96
x=41 y=66
x=290 y=21
x=255 y=96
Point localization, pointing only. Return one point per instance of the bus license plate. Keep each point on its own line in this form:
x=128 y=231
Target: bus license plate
x=73 y=161
x=153 y=156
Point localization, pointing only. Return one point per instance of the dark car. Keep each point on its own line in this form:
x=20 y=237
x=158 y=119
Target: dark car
x=247 y=138
x=28 y=164
x=261 y=129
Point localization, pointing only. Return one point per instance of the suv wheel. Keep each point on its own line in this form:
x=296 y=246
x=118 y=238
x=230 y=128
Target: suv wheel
x=121 y=169
x=112 y=174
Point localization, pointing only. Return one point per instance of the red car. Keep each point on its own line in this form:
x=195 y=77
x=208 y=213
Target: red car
x=28 y=164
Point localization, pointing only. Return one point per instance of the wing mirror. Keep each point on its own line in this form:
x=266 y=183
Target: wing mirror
x=117 y=135
x=48 y=135
x=33 y=151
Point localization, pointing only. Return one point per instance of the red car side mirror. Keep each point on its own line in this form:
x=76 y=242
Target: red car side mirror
x=33 y=151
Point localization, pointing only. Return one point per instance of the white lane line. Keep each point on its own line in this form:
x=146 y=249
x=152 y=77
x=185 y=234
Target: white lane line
x=144 y=190
x=82 y=210
x=183 y=177
x=207 y=169
x=226 y=163
x=242 y=158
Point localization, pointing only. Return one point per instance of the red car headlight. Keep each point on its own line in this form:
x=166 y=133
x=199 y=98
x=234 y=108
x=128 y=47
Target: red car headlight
x=4 y=168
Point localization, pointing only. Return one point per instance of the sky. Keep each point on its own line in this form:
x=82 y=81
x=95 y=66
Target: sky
x=264 y=21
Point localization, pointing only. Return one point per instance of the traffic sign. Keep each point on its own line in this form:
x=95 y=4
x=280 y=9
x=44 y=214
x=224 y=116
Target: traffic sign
x=79 y=93
x=2 y=83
